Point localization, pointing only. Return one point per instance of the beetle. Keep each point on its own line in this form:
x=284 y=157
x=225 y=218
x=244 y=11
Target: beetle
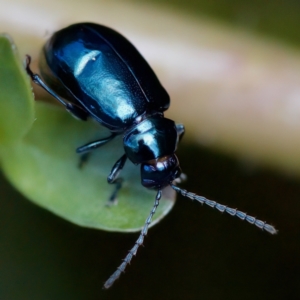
x=95 y=72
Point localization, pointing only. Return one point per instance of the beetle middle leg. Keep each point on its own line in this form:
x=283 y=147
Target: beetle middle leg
x=95 y=144
x=113 y=178
x=87 y=148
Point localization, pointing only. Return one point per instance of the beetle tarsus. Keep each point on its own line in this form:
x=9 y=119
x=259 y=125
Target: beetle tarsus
x=113 y=198
x=83 y=159
x=27 y=66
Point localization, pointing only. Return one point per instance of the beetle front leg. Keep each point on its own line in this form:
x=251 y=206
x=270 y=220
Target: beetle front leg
x=180 y=131
x=112 y=178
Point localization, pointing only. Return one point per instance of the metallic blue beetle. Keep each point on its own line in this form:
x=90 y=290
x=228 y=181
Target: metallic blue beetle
x=96 y=72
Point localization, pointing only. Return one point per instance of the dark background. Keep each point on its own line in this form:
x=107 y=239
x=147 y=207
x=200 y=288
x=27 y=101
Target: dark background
x=194 y=252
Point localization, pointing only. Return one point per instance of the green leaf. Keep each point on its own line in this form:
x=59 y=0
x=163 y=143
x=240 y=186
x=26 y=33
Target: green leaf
x=16 y=99
x=44 y=167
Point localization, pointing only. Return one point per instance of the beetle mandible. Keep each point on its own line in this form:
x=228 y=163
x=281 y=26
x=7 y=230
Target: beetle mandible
x=95 y=72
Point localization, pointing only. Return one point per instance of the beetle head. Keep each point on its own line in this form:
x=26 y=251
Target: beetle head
x=158 y=173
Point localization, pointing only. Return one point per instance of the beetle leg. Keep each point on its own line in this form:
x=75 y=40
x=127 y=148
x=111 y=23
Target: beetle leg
x=95 y=144
x=180 y=130
x=112 y=178
x=84 y=159
x=90 y=147
x=116 y=169
x=77 y=111
x=113 y=198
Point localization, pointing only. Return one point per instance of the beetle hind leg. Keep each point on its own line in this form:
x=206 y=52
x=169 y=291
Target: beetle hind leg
x=77 y=111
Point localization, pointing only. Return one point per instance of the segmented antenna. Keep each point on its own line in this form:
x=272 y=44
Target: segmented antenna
x=233 y=212
x=136 y=246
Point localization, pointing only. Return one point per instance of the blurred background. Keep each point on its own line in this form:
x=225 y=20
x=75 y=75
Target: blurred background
x=241 y=108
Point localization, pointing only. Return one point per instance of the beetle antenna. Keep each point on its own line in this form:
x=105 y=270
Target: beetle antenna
x=136 y=246
x=233 y=212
